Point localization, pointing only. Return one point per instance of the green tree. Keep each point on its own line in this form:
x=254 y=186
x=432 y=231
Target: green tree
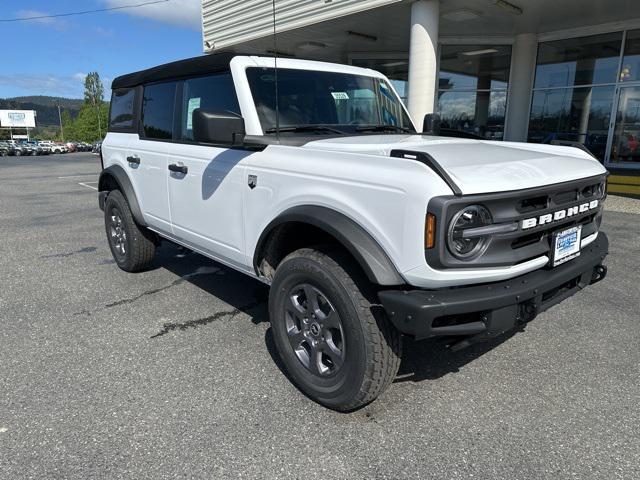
x=93 y=89
x=94 y=96
x=86 y=127
x=68 y=125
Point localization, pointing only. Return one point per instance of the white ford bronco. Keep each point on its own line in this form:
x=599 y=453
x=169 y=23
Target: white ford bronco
x=311 y=178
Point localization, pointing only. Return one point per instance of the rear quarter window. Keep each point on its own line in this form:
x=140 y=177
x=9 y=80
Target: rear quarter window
x=122 y=113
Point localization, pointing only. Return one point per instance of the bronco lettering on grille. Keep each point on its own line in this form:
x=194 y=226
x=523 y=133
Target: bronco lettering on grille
x=558 y=215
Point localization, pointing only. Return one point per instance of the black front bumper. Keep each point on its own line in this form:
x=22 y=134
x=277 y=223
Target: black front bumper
x=482 y=311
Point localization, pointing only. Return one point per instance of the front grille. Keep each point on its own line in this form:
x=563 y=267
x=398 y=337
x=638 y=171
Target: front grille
x=561 y=198
x=522 y=244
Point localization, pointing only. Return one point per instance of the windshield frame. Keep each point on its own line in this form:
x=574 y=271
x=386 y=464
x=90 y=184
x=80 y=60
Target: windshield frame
x=405 y=124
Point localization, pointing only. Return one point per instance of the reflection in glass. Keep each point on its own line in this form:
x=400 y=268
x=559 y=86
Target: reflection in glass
x=631 y=61
x=578 y=61
x=626 y=136
x=575 y=114
x=480 y=113
x=396 y=70
x=472 y=93
x=474 y=67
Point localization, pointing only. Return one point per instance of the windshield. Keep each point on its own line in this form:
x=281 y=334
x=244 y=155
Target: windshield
x=326 y=102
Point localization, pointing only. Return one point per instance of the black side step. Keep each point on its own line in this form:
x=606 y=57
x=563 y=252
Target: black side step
x=430 y=162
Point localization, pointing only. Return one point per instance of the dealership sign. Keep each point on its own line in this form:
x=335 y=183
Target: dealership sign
x=18 y=118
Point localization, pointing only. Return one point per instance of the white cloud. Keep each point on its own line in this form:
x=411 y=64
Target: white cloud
x=79 y=76
x=49 y=22
x=55 y=85
x=182 y=13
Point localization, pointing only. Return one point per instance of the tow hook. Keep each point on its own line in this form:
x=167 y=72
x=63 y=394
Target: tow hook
x=527 y=312
x=598 y=274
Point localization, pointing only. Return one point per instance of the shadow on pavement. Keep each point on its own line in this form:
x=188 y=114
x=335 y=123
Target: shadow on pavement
x=421 y=360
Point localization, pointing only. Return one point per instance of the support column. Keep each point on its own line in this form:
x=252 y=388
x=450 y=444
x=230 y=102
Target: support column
x=523 y=60
x=423 y=59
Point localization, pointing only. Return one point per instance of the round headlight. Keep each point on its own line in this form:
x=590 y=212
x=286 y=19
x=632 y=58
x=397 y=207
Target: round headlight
x=465 y=246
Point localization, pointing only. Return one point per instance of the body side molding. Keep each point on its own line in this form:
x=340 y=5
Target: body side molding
x=118 y=174
x=365 y=249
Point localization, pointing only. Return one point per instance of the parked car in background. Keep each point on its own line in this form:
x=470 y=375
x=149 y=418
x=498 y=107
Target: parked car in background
x=45 y=146
x=59 y=148
x=35 y=148
x=97 y=148
x=71 y=147
x=6 y=149
x=21 y=149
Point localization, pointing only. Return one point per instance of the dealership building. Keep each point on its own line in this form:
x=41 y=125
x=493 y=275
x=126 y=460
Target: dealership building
x=519 y=70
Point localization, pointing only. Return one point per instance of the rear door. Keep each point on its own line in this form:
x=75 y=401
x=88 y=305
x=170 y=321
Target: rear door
x=147 y=155
x=206 y=197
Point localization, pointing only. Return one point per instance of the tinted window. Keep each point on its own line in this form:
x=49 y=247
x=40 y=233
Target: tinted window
x=209 y=93
x=332 y=99
x=122 y=105
x=157 y=110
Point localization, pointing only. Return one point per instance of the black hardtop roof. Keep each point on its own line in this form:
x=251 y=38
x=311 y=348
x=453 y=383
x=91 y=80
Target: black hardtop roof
x=212 y=63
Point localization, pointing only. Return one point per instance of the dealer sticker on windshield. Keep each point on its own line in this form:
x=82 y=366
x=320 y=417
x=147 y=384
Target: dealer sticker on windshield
x=340 y=95
x=566 y=245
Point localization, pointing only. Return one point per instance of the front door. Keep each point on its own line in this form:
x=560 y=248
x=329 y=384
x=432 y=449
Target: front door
x=206 y=183
x=205 y=193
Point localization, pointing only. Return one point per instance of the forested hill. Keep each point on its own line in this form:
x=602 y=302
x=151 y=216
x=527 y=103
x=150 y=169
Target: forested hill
x=45 y=107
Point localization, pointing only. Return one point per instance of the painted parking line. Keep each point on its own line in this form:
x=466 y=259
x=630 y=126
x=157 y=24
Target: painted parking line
x=85 y=184
x=80 y=176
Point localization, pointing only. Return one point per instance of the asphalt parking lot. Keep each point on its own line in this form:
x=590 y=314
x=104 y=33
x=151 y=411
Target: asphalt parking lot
x=170 y=373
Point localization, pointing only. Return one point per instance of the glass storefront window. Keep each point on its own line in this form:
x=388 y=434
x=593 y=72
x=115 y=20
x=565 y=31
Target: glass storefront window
x=480 y=113
x=574 y=114
x=474 y=67
x=631 y=61
x=579 y=61
x=626 y=136
x=472 y=89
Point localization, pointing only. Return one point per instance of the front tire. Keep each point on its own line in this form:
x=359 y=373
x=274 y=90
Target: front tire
x=337 y=346
x=132 y=246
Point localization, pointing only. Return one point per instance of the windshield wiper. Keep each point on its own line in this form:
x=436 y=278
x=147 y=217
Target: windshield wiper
x=305 y=128
x=383 y=128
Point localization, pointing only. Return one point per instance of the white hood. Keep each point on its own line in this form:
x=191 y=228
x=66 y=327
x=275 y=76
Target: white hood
x=479 y=166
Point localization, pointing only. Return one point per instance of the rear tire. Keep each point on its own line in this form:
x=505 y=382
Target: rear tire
x=132 y=246
x=338 y=347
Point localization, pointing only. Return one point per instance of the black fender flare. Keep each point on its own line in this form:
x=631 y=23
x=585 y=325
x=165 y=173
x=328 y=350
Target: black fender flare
x=119 y=175
x=365 y=249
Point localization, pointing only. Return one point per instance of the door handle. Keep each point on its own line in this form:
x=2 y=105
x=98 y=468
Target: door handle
x=178 y=168
x=135 y=160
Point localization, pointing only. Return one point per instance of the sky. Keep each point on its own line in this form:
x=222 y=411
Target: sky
x=52 y=56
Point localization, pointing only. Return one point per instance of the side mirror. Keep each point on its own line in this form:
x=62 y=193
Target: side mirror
x=218 y=127
x=431 y=124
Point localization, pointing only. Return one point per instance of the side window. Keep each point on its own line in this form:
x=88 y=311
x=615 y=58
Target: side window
x=122 y=108
x=216 y=92
x=157 y=110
